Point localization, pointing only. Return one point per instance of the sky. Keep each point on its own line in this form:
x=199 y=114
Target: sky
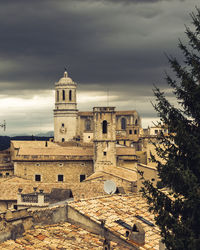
x=112 y=48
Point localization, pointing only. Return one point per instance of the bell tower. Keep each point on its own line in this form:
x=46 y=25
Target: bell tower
x=104 y=137
x=65 y=112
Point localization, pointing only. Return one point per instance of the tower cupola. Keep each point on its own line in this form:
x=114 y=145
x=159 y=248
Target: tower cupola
x=65 y=112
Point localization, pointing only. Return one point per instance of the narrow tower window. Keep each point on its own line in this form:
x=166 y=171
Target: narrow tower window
x=57 y=96
x=136 y=122
x=123 y=123
x=87 y=125
x=70 y=95
x=63 y=93
x=104 y=127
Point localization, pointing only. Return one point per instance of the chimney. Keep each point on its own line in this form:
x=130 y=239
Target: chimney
x=137 y=234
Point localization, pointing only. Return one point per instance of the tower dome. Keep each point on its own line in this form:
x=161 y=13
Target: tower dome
x=65 y=79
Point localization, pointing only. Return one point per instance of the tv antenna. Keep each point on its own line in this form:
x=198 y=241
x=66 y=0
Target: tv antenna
x=109 y=187
x=107 y=97
x=3 y=125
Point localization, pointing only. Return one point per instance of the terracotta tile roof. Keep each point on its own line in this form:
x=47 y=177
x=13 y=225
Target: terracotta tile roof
x=124 y=207
x=9 y=187
x=121 y=173
x=33 y=144
x=58 y=236
x=71 y=151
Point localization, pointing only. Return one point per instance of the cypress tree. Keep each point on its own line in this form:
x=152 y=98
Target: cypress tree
x=177 y=212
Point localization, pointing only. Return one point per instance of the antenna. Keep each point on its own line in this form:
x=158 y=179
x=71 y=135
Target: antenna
x=3 y=125
x=109 y=187
x=107 y=97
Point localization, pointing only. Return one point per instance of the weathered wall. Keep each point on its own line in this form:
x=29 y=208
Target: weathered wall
x=49 y=171
x=149 y=173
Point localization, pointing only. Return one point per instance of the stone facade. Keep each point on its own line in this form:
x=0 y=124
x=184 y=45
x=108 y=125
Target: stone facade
x=65 y=112
x=104 y=136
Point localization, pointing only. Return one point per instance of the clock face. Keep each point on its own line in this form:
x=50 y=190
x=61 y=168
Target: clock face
x=63 y=130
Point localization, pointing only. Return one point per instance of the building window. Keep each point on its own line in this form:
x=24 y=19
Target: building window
x=135 y=132
x=7 y=174
x=123 y=123
x=82 y=177
x=37 y=164
x=104 y=129
x=130 y=132
x=57 y=96
x=88 y=136
x=63 y=125
x=37 y=177
x=63 y=139
x=61 y=164
x=136 y=122
x=1 y=175
x=104 y=153
x=124 y=143
x=87 y=124
x=60 y=177
x=70 y=95
x=63 y=95
x=156 y=131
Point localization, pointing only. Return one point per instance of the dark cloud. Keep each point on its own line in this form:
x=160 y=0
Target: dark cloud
x=111 y=44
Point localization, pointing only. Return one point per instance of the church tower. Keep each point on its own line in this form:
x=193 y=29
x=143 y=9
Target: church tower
x=104 y=137
x=65 y=112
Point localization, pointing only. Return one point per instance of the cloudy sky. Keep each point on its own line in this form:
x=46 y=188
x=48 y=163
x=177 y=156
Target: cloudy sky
x=114 y=46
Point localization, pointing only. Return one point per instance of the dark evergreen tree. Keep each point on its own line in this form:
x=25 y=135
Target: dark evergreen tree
x=177 y=212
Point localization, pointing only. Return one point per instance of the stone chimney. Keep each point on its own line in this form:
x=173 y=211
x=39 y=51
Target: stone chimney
x=137 y=234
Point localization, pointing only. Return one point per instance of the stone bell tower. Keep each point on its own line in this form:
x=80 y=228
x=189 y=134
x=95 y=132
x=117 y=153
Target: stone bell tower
x=65 y=112
x=104 y=137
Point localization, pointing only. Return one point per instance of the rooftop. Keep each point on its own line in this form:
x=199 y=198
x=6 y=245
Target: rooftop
x=125 y=208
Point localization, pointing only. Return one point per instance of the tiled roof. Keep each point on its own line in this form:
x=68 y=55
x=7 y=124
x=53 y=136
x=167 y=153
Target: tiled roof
x=59 y=236
x=71 y=151
x=122 y=173
x=9 y=187
x=68 y=151
x=124 y=207
x=34 y=144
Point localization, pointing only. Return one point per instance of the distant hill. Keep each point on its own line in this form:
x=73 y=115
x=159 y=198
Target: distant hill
x=47 y=134
x=5 y=140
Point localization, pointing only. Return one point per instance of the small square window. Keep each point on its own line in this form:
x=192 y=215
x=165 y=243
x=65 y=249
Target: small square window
x=82 y=177
x=7 y=174
x=88 y=136
x=130 y=132
x=60 y=177
x=37 y=177
x=156 y=131
x=104 y=153
x=135 y=132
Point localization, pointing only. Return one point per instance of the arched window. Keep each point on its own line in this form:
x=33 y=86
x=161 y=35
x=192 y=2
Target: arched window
x=87 y=124
x=57 y=96
x=136 y=122
x=104 y=127
x=123 y=123
x=63 y=95
x=70 y=95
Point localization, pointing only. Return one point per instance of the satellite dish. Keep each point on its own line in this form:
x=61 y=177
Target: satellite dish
x=109 y=187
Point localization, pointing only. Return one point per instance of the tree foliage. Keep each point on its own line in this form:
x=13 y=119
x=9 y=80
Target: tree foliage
x=178 y=211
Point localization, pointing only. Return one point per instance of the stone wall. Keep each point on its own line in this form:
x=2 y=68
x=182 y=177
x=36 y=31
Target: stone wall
x=49 y=171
